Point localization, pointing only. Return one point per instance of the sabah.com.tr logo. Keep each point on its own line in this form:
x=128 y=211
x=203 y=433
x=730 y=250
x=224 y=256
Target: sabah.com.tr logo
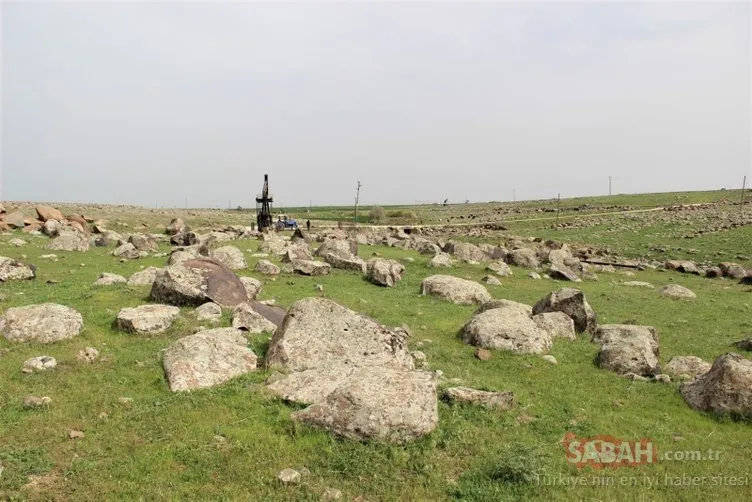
x=607 y=451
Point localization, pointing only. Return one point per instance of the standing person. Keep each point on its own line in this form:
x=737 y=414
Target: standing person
x=308 y=225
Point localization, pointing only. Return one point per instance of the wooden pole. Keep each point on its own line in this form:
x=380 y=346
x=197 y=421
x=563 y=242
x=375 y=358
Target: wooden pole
x=744 y=187
x=357 y=196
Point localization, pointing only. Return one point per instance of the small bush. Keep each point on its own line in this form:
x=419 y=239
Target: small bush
x=376 y=215
x=404 y=214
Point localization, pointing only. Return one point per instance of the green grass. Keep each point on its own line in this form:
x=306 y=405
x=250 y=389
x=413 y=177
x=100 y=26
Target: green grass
x=165 y=446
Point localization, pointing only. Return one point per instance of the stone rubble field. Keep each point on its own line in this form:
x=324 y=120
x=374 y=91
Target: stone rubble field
x=378 y=363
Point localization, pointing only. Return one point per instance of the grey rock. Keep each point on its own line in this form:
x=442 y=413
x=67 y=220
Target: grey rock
x=455 y=290
x=43 y=323
x=626 y=348
x=147 y=319
x=500 y=400
x=573 y=303
x=384 y=272
x=231 y=257
x=726 y=389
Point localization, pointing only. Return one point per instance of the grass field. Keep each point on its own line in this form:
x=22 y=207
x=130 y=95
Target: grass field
x=230 y=442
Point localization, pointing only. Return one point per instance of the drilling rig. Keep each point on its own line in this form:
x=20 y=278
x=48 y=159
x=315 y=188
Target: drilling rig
x=264 y=207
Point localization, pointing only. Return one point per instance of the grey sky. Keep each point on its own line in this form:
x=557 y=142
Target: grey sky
x=150 y=103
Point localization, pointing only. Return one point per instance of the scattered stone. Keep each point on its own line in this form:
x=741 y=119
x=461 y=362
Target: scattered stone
x=210 y=312
x=267 y=268
x=563 y=273
x=440 y=260
x=662 y=378
x=551 y=359
x=331 y=494
x=523 y=257
x=573 y=303
x=127 y=251
x=15 y=219
x=49 y=213
x=499 y=268
x=534 y=275
x=506 y=328
x=231 y=257
x=36 y=402
x=207 y=359
x=252 y=287
x=244 y=317
x=344 y=248
x=501 y=400
x=466 y=252
x=17 y=242
x=726 y=389
x=687 y=367
x=627 y=348
x=556 y=324
x=106 y=279
x=289 y=477
x=145 y=277
x=384 y=272
x=349 y=263
x=491 y=280
x=638 y=284
x=176 y=226
x=68 y=240
x=311 y=267
x=144 y=242
x=40 y=363
x=456 y=290
x=43 y=323
x=126 y=401
x=74 y=434
x=147 y=319
x=87 y=355
x=483 y=354
x=677 y=292
x=12 y=270
x=733 y=270
x=686 y=266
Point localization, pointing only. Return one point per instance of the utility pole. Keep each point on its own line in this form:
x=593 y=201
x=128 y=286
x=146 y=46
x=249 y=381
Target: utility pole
x=558 y=202
x=357 y=196
x=609 y=186
x=514 y=195
x=744 y=187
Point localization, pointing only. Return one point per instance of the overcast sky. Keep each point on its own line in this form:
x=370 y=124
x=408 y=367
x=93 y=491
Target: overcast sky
x=156 y=103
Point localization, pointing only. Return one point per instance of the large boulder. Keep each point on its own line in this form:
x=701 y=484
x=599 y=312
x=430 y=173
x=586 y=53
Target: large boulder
x=626 y=348
x=51 y=228
x=563 y=273
x=297 y=252
x=207 y=359
x=440 y=260
x=12 y=270
x=322 y=341
x=15 y=219
x=523 y=257
x=346 y=263
x=343 y=248
x=686 y=367
x=266 y=267
x=147 y=319
x=378 y=403
x=210 y=312
x=197 y=281
x=384 y=272
x=506 y=327
x=455 y=290
x=68 y=240
x=311 y=267
x=145 y=277
x=43 y=323
x=724 y=390
x=677 y=292
x=573 y=303
x=231 y=257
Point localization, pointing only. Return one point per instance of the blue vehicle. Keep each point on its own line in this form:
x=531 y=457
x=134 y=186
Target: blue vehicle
x=285 y=223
